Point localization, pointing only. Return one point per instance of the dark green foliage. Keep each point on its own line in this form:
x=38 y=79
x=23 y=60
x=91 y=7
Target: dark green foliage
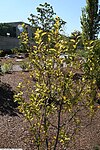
x=90 y=20
x=45 y=17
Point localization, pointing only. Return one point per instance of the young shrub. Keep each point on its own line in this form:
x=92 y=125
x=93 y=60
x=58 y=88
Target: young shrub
x=6 y=68
x=54 y=100
x=24 y=66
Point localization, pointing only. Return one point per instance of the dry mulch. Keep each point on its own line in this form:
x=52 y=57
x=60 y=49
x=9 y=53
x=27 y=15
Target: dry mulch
x=14 y=131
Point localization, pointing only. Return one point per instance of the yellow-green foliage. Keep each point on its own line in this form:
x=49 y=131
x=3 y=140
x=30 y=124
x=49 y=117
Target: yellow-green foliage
x=24 y=40
x=55 y=98
x=6 y=67
x=1 y=52
x=92 y=66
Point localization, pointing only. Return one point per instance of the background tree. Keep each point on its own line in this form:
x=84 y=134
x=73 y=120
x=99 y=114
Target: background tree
x=90 y=20
x=45 y=17
x=44 y=20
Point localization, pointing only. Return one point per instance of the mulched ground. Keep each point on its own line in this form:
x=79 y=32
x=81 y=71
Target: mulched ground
x=14 y=131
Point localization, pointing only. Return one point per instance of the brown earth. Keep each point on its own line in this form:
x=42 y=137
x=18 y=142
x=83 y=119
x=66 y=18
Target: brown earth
x=14 y=131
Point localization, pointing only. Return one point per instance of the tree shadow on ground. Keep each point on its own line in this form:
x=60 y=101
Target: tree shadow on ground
x=7 y=104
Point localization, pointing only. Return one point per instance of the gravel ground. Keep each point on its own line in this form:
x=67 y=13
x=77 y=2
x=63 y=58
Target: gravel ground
x=14 y=131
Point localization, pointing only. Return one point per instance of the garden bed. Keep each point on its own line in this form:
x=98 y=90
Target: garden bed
x=14 y=131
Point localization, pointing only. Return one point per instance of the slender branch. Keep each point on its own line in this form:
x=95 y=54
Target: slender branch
x=52 y=124
x=70 y=118
x=58 y=131
x=45 y=125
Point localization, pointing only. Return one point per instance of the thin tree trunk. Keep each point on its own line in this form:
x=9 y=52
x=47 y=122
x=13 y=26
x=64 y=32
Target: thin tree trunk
x=45 y=126
x=58 y=131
